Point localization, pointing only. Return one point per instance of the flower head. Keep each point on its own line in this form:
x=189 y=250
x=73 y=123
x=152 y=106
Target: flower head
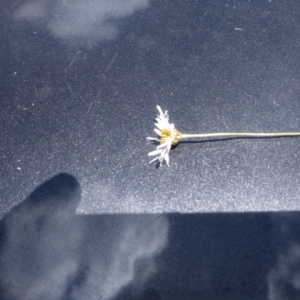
x=168 y=136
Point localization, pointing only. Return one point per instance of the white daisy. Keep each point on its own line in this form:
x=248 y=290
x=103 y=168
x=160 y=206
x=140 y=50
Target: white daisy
x=168 y=136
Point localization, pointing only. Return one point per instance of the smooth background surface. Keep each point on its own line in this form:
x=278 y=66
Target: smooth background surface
x=80 y=82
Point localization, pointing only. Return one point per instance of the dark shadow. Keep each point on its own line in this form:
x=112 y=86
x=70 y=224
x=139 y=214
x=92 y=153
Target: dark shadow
x=48 y=252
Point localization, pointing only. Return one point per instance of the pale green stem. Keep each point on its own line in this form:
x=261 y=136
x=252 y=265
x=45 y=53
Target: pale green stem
x=239 y=134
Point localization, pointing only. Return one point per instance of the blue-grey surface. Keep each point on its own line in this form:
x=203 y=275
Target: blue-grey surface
x=48 y=253
x=80 y=82
x=79 y=85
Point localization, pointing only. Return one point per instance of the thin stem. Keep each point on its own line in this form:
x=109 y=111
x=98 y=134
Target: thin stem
x=239 y=134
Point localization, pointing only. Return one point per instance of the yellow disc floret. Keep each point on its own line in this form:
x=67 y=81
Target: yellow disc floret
x=174 y=135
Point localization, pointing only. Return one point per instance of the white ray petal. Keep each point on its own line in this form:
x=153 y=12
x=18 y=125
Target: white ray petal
x=160 y=110
x=152 y=139
x=158 y=132
x=153 y=160
x=155 y=152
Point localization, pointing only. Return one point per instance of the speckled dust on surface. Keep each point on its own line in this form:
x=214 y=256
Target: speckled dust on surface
x=83 y=102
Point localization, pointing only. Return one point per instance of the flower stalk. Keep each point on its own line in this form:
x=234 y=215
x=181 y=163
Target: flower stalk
x=240 y=134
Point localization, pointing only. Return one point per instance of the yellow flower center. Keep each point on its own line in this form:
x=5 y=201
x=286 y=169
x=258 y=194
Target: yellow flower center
x=167 y=134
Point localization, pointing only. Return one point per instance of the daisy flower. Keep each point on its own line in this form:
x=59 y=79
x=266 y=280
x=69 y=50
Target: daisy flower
x=168 y=136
